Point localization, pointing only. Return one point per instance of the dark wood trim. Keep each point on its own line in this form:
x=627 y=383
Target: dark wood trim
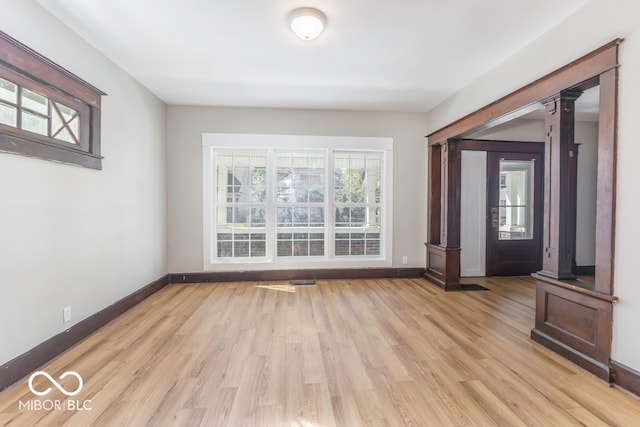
x=34 y=147
x=606 y=185
x=28 y=69
x=22 y=58
x=625 y=377
x=443 y=267
x=577 y=285
x=435 y=194
x=22 y=365
x=575 y=323
x=500 y=146
x=582 y=69
x=560 y=182
x=299 y=274
x=451 y=191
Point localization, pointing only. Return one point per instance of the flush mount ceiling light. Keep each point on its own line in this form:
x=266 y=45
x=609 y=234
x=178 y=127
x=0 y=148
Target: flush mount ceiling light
x=307 y=22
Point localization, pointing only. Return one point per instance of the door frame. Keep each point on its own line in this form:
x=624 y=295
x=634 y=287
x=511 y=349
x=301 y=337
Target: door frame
x=492 y=183
x=491 y=145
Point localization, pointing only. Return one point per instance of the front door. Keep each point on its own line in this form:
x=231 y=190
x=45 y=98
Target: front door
x=514 y=217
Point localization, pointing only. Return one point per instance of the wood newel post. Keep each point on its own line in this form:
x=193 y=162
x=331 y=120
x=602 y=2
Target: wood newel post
x=559 y=230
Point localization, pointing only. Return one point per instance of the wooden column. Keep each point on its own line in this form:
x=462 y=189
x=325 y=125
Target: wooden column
x=443 y=250
x=574 y=318
x=559 y=230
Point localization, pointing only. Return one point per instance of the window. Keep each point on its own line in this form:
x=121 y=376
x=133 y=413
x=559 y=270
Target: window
x=300 y=203
x=281 y=200
x=241 y=204
x=358 y=179
x=45 y=111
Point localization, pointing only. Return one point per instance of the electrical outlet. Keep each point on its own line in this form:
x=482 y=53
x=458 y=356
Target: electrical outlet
x=66 y=314
x=405 y=259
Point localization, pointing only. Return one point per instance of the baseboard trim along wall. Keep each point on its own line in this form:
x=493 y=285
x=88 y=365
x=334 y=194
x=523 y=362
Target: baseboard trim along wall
x=14 y=370
x=303 y=274
x=625 y=377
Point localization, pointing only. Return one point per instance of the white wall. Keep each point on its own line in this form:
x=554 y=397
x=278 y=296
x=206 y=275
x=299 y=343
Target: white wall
x=599 y=22
x=586 y=134
x=185 y=126
x=523 y=130
x=71 y=236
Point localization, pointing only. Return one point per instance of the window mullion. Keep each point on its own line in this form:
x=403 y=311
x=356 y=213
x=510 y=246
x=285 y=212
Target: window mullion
x=19 y=101
x=329 y=232
x=272 y=217
x=49 y=117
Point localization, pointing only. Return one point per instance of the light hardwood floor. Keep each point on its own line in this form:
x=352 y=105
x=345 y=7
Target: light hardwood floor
x=393 y=352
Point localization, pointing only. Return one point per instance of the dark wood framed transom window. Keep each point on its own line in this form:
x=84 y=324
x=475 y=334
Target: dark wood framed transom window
x=45 y=111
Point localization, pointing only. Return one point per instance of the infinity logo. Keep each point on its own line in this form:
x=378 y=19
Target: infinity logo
x=55 y=383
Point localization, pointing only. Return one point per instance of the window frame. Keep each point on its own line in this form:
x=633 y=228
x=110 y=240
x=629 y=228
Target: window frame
x=27 y=69
x=272 y=144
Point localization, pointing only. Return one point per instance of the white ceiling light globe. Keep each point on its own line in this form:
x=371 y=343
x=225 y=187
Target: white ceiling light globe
x=307 y=23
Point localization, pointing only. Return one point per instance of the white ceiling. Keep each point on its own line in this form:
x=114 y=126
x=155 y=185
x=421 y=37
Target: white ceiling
x=403 y=55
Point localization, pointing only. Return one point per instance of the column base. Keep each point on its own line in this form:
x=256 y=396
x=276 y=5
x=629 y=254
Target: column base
x=443 y=267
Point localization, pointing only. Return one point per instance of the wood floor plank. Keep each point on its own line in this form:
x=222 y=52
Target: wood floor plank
x=334 y=368
x=317 y=408
x=269 y=416
x=345 y=411
x=218 y=408
x=490 y=409
x=392 y=352
x=270 y=390
x=293 y=384
x=189 y=417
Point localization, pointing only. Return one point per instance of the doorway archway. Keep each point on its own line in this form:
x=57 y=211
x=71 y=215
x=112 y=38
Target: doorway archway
x=573 y=317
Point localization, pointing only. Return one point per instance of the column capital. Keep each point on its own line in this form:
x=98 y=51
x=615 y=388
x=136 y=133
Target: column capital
x=566 y=96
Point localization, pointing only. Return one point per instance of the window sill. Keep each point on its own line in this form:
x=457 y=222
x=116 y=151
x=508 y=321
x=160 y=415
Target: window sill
x=33 y=147
x=296 y=264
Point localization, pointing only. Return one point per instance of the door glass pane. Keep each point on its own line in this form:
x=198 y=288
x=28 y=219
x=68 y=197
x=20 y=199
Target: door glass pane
x=516 y=200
